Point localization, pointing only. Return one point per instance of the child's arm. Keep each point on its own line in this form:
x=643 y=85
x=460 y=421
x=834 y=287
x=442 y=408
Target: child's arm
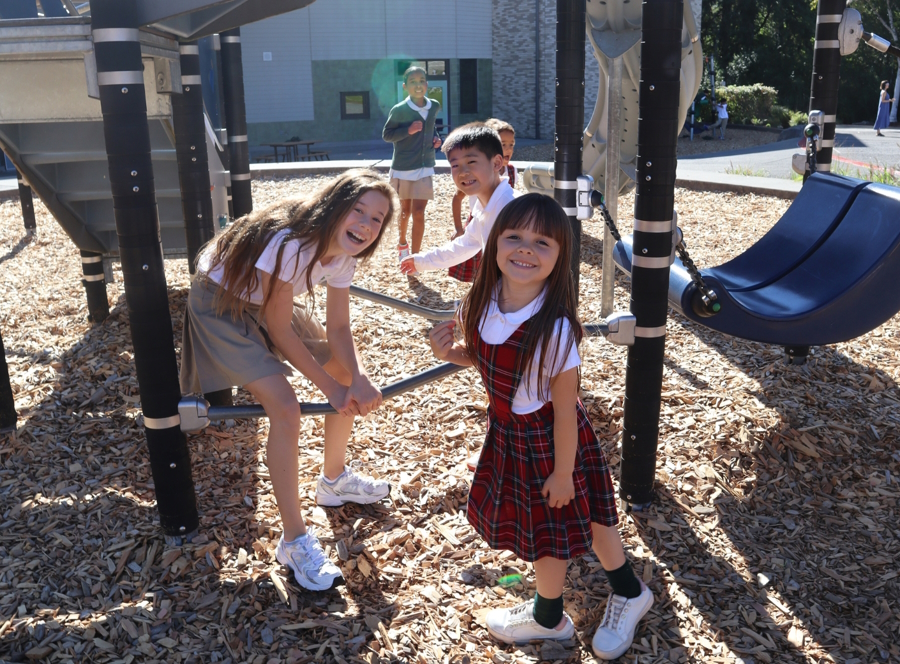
x=278 y=315
x=362 y=395
x=445 y=348
x=447 y=255
x=559 y=488
x=395 y=131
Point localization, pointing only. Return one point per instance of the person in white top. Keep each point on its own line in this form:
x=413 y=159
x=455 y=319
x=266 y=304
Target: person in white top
x=542 y=488
x=722 y=121
x=476 y=156
x=241 y=322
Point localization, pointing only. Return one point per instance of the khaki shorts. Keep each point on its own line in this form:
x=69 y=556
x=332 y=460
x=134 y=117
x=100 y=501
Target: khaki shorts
x=417 y=190
x=218 y=352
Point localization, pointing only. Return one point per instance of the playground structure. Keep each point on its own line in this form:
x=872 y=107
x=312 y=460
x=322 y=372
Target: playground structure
x=122 y=49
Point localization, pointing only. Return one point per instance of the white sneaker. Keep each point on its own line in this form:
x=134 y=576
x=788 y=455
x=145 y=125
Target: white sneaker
x=351 y=488
x=307 y=560
x=517 y=625
x=616 y=630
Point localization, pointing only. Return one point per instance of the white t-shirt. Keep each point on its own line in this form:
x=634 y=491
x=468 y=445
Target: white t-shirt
x=474 y=238
x=496 y=327
x=294 y=264
x=425 y=171
x=723 y=110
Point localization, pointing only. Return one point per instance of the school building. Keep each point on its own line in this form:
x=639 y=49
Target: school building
x=332 y=70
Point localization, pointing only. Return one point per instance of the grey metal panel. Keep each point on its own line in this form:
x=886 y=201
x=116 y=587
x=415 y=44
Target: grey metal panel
x=250 y=12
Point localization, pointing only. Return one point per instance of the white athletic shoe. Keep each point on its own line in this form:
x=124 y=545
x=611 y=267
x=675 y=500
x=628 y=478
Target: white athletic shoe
x=308 y=562
x=517 y=625
x=616 y=630
x=351 y=488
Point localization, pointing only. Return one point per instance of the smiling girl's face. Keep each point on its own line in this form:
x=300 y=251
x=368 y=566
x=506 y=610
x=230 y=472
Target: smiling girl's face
x=362 y=225
x=526 y=258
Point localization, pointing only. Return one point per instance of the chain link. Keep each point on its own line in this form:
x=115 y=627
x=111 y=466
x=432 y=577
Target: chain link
x=708 y=294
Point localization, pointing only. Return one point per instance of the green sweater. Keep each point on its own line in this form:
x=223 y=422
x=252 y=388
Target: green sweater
x=411 y=151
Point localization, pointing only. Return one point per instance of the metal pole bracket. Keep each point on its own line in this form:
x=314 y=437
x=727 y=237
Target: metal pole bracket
x=583 y=203
x=194 y=412
x=620 y=326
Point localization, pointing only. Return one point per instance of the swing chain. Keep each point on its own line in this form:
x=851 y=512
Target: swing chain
x=610 y=224
x=708 y=294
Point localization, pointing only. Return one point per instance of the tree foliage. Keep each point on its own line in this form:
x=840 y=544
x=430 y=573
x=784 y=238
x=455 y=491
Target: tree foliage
x=772 y=42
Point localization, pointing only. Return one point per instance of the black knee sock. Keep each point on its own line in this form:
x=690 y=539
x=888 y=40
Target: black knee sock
x=548 y=612
x=623 y=581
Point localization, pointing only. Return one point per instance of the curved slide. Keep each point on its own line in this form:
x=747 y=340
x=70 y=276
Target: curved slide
x=825 y=273
x=614 y=29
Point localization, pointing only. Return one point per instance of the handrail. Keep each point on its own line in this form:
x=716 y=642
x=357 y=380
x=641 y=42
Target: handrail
x=402 y=305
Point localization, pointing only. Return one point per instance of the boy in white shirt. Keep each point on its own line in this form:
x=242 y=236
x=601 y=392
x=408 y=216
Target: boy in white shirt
x=475 y=154
x=722 y=121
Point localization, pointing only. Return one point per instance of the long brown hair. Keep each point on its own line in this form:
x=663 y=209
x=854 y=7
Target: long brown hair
x=543 y=215
x=313 y=220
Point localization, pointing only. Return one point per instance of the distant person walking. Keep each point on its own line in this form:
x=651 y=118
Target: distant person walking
x=884 y=110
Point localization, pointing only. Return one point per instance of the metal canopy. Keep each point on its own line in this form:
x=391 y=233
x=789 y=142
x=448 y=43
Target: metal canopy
x=193 y=19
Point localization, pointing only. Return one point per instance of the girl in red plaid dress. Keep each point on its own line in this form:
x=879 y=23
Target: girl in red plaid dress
x=542 y=488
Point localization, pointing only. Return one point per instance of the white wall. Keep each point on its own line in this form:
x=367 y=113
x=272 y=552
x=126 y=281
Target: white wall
x=280 y=90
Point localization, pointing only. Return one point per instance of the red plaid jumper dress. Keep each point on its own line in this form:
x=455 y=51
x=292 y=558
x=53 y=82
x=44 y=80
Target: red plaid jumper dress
x=505 y=503
x=466 y=270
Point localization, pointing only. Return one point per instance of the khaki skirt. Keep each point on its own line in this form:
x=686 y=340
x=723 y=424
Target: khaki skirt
x=219 y=352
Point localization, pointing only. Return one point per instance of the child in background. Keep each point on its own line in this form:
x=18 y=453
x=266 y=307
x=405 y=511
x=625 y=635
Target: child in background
x=465 y=271
x=542 y=488
x=242 y=321
x=410 y=127
x=476 y=156
x=722 y=120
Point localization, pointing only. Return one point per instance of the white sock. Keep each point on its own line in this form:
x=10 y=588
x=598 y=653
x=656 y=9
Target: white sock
x=331 y=482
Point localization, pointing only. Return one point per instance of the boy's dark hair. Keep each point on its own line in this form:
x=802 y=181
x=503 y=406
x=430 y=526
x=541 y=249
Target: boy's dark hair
x=414 y=69
x=474 y=135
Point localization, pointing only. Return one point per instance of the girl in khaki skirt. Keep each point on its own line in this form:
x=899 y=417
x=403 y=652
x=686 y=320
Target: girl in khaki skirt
x=242 y=321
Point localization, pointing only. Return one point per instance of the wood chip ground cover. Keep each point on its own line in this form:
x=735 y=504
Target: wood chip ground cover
x=774 y=538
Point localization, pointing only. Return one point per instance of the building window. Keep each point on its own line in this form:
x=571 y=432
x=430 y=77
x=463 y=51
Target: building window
x=354 y=106
x=468 y=86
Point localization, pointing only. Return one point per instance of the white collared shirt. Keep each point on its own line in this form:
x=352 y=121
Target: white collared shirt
x=475 y=236
x=496 y=327
x=425 y=171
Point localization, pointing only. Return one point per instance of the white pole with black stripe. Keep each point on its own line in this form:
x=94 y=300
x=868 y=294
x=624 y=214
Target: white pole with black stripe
x=114 y=28
x=654 y=207
x=826 y=74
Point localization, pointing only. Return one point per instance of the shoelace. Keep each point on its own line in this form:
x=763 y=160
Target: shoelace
x=521 y=613
x=361 y=481
x=614 y=611
x=314 y=553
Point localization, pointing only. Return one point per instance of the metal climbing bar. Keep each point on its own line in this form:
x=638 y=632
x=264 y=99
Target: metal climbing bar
x=196 y=413
x=403 y=305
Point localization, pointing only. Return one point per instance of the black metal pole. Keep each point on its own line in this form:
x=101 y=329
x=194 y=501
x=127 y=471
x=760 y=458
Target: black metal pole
x=26 y=198
x=568 y=140
x=826 y=74
x=114 y=27
x=236 y=121
x=7 y=401
x=653 y=211
x=190 y=149
x=94 y=286
x=223 y=118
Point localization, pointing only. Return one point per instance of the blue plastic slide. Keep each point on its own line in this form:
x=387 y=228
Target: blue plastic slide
x=828 y=271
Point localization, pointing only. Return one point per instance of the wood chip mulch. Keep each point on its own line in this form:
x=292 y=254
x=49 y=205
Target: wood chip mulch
x=774 y=537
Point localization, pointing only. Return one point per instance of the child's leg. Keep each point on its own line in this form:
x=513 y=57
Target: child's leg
x=405 y=208
x=456 y=206
x=608 y=547
x=418 y=221
x=550 y=578
x=276 y=395
x=337 y=428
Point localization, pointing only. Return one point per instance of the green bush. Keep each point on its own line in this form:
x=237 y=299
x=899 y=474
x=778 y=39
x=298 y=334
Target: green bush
x=749 y=102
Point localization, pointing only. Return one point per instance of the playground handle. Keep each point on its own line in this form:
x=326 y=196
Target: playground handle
x=402 y=305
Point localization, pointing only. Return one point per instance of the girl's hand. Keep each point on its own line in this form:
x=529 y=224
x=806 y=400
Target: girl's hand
x=415 y=127
x=559 y=489
x=363 y=396
x=338 y=397
x=441 y=338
